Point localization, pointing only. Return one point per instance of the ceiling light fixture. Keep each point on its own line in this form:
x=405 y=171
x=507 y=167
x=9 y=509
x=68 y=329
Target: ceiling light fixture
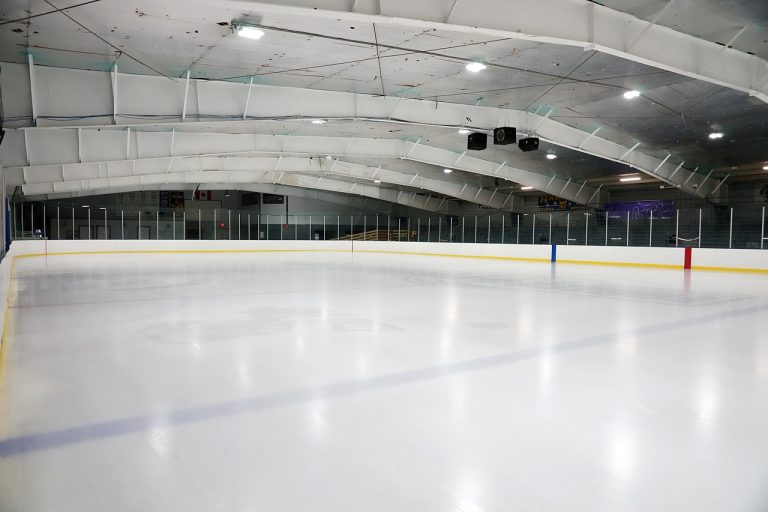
x=447 y=171
x=526 y=188
x=319 y=121
x=716 y=135
x=86 y=206
x=630 y=95
x=630 y=178
x=328 y=157
x=765 y=167
x=464 y=131
x=249 y=32
x=551 y=156
x=377 y=181
x=475 y=67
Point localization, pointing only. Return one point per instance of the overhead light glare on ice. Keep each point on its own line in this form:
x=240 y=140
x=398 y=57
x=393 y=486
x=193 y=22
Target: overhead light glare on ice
x=716 y=135
x=630 y=95
x=249 y=32
x=475 y=67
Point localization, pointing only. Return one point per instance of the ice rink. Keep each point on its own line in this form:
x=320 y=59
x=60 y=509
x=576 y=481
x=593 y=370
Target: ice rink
x=340 y=382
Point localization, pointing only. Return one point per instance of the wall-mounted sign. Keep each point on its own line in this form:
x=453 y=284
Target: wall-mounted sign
x=142 y=200
x=171 y=200
x=552 y=203
x=273 y=199
x=643 y=209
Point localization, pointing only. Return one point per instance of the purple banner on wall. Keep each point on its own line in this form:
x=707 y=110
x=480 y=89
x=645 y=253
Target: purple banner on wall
x=642 y=209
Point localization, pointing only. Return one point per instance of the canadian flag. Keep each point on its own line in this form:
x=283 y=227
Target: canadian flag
x=203 y=195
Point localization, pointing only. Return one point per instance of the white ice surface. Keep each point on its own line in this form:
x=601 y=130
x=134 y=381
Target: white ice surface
x=333 y=382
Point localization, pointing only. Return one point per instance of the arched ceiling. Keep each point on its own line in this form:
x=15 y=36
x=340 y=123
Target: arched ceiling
x=417 y=50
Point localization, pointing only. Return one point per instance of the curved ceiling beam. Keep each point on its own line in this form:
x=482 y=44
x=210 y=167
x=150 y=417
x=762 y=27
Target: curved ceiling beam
x=349 y=200
x=413 y=200
x=245 y=170
x=568 y=22
x=225 y=99
x=126 y=153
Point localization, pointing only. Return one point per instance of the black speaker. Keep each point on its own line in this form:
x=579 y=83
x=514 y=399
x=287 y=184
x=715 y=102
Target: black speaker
x=477 y=141
x=505 y=135
x=529 y=144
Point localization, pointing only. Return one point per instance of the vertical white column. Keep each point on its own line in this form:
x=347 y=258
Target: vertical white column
x=174 y=224
x=89 y=224
x=650 y=234
x=138 y=237
x=586 y=229
x=700 y=215
x=568 y=230
x=762 y=230
x=106 y=225
x=157 y=224
x=517 y=241
x=122 y=224
x=627 y=229
x=677 y=229
x=489 y=228
x=533 y=231
x=730 y=232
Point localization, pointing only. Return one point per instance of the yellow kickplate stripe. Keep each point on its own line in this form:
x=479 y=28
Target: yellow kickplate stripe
x=200 y=251
x=469 y=256
x=731 y=269
x=7 y=317
x=622 y=264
